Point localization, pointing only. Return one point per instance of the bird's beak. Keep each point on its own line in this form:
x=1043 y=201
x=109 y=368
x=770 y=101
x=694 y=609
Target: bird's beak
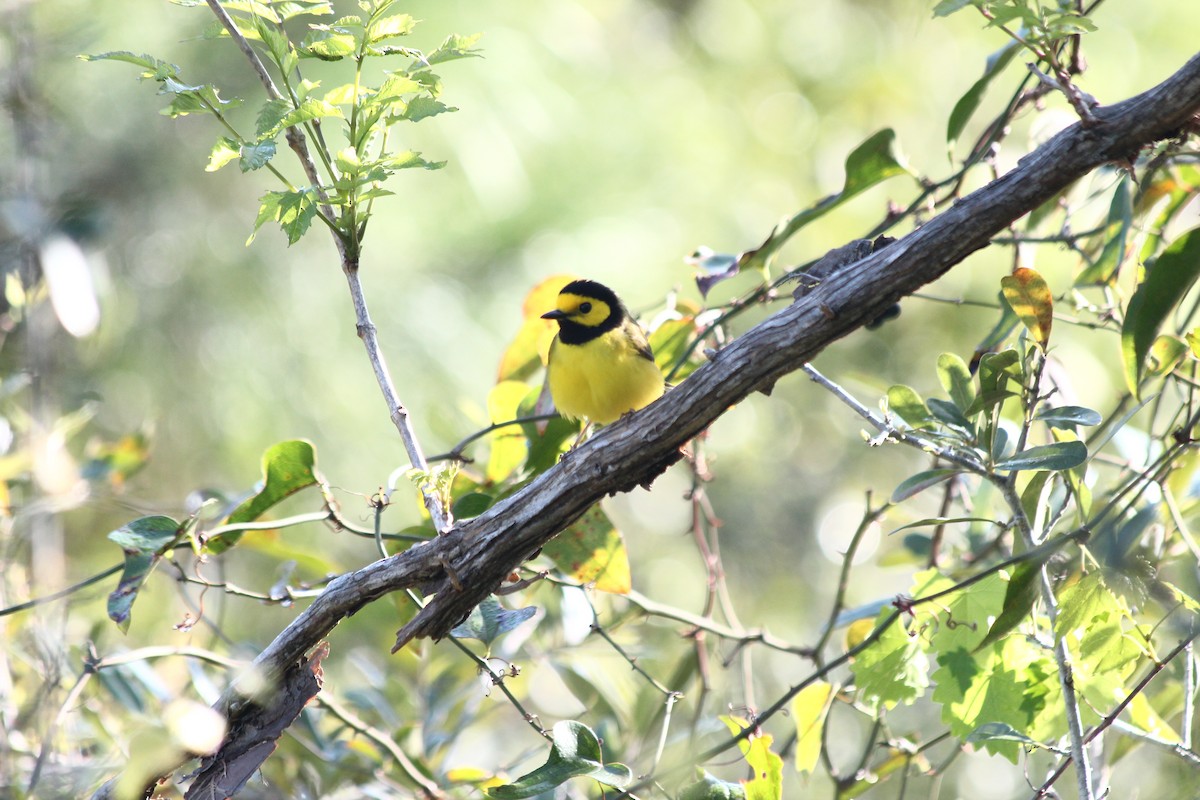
x=555 y=314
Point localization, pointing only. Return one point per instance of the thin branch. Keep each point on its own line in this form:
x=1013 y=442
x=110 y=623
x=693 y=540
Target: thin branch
x=61 y=593
x=348 y=250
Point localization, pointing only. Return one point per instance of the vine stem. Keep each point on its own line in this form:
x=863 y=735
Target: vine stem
x=349 y=255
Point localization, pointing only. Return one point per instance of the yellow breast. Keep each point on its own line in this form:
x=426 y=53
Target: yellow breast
x=602 y=379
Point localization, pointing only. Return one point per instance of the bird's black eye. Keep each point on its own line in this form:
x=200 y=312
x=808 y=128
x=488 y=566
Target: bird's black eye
x=585 y=307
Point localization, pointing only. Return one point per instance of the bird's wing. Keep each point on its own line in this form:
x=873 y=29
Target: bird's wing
x=637 y=338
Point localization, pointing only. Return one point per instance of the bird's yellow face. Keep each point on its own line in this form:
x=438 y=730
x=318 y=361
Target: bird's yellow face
x=582 y=310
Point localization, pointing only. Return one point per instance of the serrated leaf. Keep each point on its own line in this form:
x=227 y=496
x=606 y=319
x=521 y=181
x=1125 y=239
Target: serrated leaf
x=329 y=43
x=152 y=68
x=1068 y=416
x=224 y=151
x=1080 y=602
x=390 y=27
x=1169 y=279
x=947 y=7
x=893 y=669
x=256 y=156
x=918 y=483
x=142 y=540
x=420 y=108
x=767 y=767
x=1028 y=294
x=574 y=753
x=294 y=211
x=454 y=47
x=270 y=117
x=287 y=467
x=409 y=159
x=1055 y=457
x=489 y=621
x=592 y=551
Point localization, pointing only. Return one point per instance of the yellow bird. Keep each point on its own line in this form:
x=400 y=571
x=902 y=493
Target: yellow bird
x=601 y=366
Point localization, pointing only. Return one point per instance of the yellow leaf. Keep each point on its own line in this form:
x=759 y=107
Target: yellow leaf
x=1029 y=296
x=809 y=709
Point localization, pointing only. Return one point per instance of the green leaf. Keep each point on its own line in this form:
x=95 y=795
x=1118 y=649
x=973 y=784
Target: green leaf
x=1165 y=355
x=1022 y=592
x=294 y=211
x=669 y=342
x=1169 y=279
x=489 y=621
x=152 y=68
x=592 y=551
x=894 y=669
x=925 y=523
x=1055 y=457
x=454 y=47
x=993 y=686
x=1029 y=295
x=1081 y=602
x=188 y=99
x=1000 y=332
x=956 y=380
x=905 y=401
x=287 y=468
x=143 y=541
x=947 y=412
x=969 y=102
x=329 y=43
x=947 y=7
x=410 y=160
x=873 y=161
x=706 y=787
x=1104 y=270
x=766 y=766
x=1068 y=416
x=999 y=731
x=918 y=483
x=224 y=151
x=472 y=504
x=420 y=108
x=575 y=753
x=256 y=156
x=270 y=117
x=390 y=27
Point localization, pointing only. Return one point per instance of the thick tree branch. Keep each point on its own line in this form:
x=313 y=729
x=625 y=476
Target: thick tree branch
x=483 y=551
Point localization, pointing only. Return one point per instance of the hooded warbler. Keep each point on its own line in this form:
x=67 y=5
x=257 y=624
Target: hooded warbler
x=601 y=366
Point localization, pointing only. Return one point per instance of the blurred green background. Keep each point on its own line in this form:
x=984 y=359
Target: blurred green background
x=603 y=138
